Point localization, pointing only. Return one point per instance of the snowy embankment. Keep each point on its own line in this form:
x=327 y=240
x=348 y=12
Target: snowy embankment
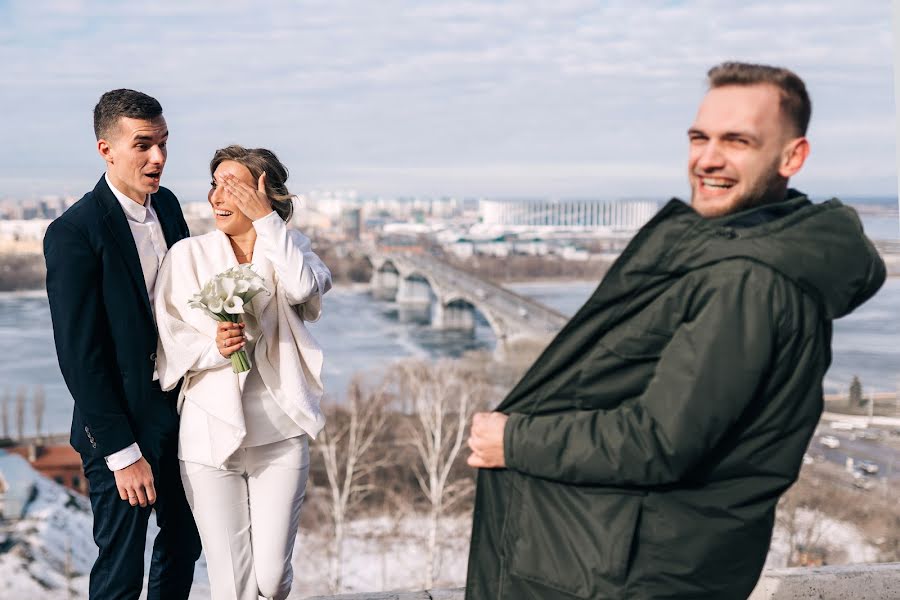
x=51 y=540
x=51 y=548
x=383 y=554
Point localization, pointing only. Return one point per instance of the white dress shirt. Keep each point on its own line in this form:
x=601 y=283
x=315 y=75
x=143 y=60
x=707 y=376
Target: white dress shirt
x=151 y=246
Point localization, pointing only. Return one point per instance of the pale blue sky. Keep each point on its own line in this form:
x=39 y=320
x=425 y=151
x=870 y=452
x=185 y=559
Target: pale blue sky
x=563 y=98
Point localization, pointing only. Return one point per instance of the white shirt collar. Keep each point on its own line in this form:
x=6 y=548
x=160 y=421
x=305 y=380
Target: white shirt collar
x=133 y=210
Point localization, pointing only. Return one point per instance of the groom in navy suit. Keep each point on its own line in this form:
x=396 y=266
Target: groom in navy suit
x=102 y=258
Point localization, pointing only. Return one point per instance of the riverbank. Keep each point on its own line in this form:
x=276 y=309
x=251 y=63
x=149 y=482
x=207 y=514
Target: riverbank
x=23 y=272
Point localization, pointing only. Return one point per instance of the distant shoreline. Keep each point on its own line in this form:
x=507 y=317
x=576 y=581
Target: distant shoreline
x=36 y=293
x=363 y=287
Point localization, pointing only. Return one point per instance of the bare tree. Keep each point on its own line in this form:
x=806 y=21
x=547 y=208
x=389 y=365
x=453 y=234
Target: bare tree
x=395 y=510
x=443 y=401
x=4 y=413
x=20 y=413
x=38 y=405
x=346 y=446
x=804 y=512
x=802 y=525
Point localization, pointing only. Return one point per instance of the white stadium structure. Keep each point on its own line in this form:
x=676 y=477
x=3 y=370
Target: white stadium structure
x=616 y=215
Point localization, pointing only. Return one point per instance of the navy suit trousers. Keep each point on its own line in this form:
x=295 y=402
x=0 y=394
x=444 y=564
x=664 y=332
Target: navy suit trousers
x=120 y=531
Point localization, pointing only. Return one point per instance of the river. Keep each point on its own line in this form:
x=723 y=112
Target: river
x=360 y=334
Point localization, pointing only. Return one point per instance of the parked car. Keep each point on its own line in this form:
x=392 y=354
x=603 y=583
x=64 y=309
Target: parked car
x=867 y=467
x=863 y=483
x=842 y=425
x=829 y=441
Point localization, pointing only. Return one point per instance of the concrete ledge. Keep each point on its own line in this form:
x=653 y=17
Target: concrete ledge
x=879 y=581
x=851 y=582
x=450 y=594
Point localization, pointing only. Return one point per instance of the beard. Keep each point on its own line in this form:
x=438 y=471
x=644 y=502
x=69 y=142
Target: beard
x=770 y=187
x=766 y=190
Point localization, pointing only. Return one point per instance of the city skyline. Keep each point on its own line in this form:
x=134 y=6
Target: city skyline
x=468 y=99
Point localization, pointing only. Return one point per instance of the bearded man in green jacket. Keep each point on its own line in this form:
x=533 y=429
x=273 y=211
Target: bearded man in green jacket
x=643 y=454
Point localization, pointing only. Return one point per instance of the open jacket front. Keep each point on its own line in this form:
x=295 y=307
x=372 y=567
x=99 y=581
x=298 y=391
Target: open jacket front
x=288 y=358
x=648 y=445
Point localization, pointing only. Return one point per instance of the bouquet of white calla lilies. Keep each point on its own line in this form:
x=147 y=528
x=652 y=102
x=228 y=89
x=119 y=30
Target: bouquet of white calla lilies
x=224 y=298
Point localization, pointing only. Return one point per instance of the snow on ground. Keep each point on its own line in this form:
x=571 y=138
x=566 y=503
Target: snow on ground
x=383 y=554
x=386 y=553
x=844 y=543
x=33 y=549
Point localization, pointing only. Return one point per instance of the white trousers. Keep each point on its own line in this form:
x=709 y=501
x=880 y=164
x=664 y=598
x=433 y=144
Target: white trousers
x=247 y=515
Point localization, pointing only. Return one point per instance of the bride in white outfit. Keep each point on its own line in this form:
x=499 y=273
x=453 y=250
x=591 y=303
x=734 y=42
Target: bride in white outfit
x=243 y=438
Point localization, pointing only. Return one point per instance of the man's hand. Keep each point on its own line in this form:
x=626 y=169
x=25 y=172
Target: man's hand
x=486 y=440
x=135 y=483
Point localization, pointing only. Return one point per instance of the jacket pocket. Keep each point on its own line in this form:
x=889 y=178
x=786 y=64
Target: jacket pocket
x=573 y=539
x=619 y=367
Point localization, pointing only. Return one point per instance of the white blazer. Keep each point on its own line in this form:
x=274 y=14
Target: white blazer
x=288 y=358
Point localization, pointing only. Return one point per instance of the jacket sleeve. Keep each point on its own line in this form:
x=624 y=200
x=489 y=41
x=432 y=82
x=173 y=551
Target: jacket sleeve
x=302 y=275
x=706 y=377
x=81 y=334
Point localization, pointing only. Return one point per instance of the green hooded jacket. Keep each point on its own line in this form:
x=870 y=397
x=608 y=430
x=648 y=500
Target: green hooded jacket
x=648 y=445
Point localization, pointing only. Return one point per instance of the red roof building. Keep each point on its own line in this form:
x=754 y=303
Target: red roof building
x=59 y=462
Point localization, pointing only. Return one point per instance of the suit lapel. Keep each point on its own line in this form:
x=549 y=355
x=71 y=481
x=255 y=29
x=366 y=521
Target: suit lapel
x=118 y=226
x=167 y=220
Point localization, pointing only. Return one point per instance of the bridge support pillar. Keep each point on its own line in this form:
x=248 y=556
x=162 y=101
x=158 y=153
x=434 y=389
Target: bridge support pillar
x=412 y=291
x=414 y=300
x=456 y=316
x=384 y=284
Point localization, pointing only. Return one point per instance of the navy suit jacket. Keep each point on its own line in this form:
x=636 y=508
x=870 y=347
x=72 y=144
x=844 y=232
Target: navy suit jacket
x=103 y=325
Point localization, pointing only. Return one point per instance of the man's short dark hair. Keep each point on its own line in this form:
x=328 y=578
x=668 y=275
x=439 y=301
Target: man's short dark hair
x=115 y=104
x=795 y=103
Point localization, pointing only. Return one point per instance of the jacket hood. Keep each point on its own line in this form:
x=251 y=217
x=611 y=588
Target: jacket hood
x=821 y=247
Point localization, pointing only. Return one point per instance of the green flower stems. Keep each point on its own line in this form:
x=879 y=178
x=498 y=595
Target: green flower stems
x=240 y=362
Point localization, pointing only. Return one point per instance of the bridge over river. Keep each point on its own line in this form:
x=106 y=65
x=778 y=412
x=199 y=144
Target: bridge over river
x=422 y=284
x=451 y=297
